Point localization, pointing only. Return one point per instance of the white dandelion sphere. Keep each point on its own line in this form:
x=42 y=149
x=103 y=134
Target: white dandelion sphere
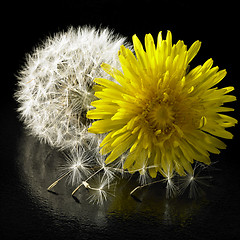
x=55 y=85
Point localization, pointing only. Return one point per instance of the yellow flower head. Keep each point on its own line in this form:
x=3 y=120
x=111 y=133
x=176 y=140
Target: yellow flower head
x=162 y=116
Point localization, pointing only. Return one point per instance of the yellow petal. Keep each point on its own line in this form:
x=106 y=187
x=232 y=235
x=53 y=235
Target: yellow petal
x=193 y=50
x=107 y=83
x=111 y=71
x=140 y=53
x=107 y=139
x=227 y=121
x=120 y=149
x=98 y=114
x=152 y=172
x=119 y=139
x=106 y=125
x=130 y=160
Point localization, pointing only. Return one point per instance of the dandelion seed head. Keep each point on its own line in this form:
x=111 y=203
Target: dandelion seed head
x=55 y=86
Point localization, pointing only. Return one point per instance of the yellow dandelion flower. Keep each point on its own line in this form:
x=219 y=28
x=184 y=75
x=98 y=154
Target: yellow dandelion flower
x=159 y=114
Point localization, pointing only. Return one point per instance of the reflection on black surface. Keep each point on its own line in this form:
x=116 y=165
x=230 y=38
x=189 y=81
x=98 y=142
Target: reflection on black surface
x=28 y=210
x=39 y=168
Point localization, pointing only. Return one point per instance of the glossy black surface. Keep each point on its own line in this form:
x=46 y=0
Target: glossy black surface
x=29 y=211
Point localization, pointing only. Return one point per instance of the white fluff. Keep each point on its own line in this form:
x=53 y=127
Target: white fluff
x=55 y=85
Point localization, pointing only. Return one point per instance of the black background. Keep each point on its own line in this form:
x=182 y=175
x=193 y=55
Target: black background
x=23 y=214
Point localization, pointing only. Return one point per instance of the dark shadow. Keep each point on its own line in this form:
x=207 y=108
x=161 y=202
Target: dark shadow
x=55 y=193
x=76 y=199
x=136 y=198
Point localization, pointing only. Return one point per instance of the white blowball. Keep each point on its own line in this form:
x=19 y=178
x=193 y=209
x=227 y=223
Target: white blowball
x=55 y=85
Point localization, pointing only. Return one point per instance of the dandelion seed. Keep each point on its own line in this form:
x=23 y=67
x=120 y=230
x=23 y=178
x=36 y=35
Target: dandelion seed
x=78 y=166
x=97 y=196
x=56 y=84
x=85 y=182
x=80 y=163
x=195 y=182
x=159 y=113
x=143 y=177
x=101 y=189
x=172 y=189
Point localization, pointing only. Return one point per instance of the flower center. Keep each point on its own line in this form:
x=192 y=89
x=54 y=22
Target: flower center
x=169 y=113
x=162 y=116
x=159 y=117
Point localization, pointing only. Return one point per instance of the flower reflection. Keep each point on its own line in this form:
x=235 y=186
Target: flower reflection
x=38 y=166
